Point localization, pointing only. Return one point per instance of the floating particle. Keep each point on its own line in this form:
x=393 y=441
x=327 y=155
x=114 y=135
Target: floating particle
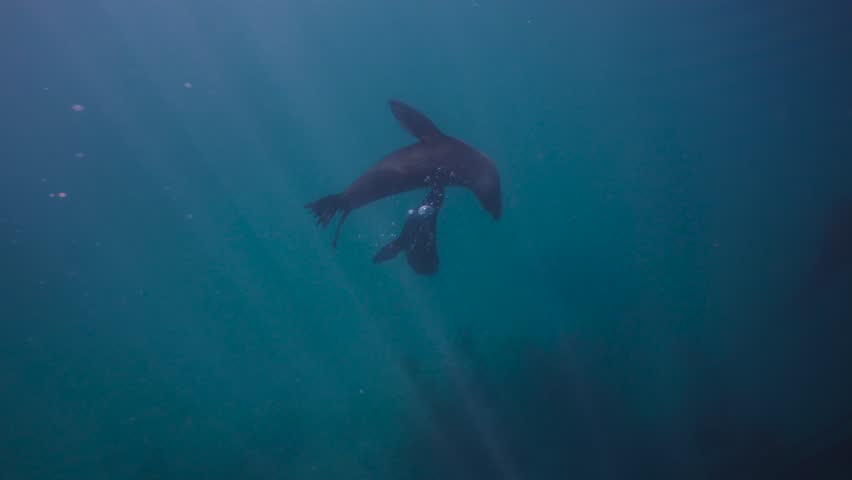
x=61 y=194
x=79 y=155
x=51 y=195
x=188 y=216
x=77 y=107
x=187 y=84
x=43 y=180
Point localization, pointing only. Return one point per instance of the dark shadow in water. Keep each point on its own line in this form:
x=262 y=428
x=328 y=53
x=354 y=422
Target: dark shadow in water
x=551 y=417
x=815 y=321
x=826 y=282
x=833 y=262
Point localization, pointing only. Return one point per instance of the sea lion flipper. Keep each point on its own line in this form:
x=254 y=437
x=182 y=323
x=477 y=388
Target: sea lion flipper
x=389 y=251
x=423 y=258
x=339 y=225
x=325 y=208
x=414 y=122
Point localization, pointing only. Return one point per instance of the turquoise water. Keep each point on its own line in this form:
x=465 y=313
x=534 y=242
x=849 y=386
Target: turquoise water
x=645 y=308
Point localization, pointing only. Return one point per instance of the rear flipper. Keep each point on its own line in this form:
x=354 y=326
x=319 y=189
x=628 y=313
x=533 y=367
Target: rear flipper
x=422 y=256
x=325 y=208
x=419 y=236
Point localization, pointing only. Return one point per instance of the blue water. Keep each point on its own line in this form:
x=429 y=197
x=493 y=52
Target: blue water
x=667 y=293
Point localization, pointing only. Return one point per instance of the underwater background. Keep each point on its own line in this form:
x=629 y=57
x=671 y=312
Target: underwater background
x=668 y=293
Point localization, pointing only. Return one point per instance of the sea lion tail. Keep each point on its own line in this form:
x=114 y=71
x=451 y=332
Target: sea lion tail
x=325 y=208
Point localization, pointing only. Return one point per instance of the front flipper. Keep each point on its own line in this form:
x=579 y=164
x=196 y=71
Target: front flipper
x=414 y=122
x=388 y=252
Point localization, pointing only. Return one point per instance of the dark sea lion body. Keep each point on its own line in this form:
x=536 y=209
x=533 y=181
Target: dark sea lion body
x=419 y=236
x=436 y=160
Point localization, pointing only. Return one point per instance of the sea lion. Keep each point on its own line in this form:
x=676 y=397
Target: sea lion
x=419 y=236
x=435 y=160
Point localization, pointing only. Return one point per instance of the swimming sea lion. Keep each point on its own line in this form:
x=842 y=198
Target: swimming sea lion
x=419 y=236
x=436 y=160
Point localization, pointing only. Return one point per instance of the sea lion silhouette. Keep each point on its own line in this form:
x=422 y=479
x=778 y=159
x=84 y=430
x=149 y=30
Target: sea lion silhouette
x=435 y=160
x=419 y=236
